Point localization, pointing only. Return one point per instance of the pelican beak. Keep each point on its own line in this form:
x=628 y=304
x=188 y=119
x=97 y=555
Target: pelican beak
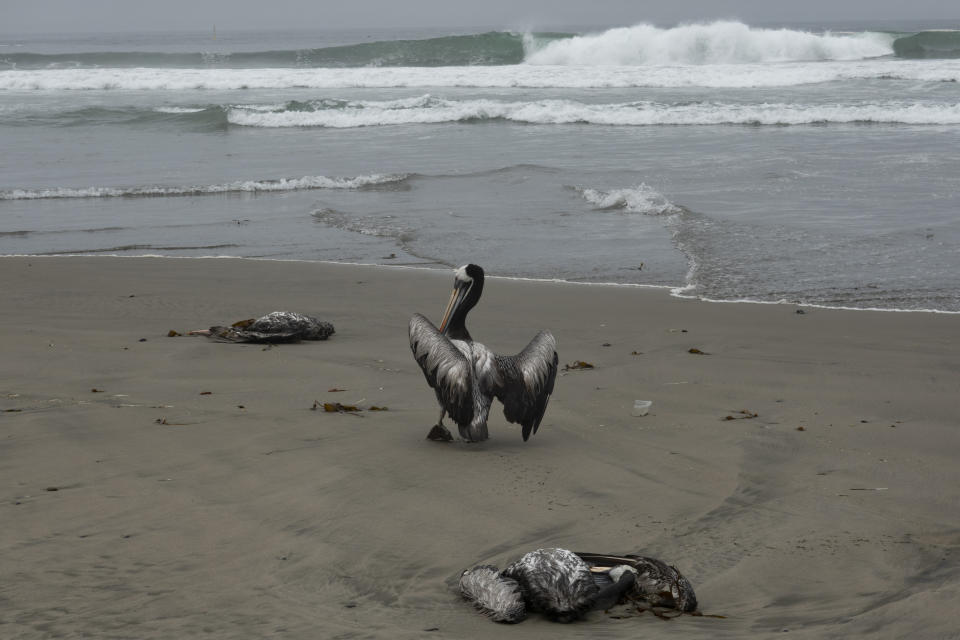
x=456 y=296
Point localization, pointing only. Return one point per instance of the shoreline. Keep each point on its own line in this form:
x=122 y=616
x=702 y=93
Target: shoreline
x=674 y=291
x=799 y=469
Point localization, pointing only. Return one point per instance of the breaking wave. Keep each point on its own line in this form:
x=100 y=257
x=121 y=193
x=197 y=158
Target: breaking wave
x=245 y=186
x=742 y=75
x=431 y=110
x=639 y=199
x=714 y=43
x=428 y=109
x=717 y=42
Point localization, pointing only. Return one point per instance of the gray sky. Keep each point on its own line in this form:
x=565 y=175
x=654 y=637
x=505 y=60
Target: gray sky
x=33 y=16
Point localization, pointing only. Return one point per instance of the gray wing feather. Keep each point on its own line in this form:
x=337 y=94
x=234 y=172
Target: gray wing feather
x=446 y=369
x=528 y=379
x=494 y=595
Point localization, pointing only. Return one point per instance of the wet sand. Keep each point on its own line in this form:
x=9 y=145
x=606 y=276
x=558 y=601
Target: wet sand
x=150 y=508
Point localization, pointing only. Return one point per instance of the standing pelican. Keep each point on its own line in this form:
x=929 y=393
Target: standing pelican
x=467 y=376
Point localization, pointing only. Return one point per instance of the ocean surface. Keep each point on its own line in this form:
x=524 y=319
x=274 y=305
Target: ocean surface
x=815 y=164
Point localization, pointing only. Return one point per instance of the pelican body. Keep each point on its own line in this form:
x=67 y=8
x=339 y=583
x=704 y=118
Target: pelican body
x=275 y=327
x=467 y=376
x=555 y=582
x=657 y=583
x=566 y=585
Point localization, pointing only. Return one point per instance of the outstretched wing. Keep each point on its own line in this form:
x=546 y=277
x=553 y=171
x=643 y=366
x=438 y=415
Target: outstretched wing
x=446 y=369
x=527 y=382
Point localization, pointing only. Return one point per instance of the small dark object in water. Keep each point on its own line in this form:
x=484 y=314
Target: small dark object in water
x=173 y=334
x=800 y=312
x=277 y=326
x=142 y=340
x=698 y=352
x=576 y=365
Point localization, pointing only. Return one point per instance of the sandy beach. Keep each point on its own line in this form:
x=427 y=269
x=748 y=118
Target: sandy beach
x=801 y=470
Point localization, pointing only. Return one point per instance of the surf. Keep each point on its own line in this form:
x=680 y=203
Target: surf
x=711 y=43
x=240 y=186
x=718 y=42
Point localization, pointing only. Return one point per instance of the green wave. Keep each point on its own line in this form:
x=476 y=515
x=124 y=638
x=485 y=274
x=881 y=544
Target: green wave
x=491 y=48
x=928 y=44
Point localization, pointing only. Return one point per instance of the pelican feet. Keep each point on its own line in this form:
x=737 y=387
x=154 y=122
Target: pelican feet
x=440 y=433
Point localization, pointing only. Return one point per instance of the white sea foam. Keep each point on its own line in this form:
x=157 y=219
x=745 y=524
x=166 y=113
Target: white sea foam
x=428 y=110
x=639 y=199
x=250 y=186
x=768 y=74
x=714 y=43
x=177 y=110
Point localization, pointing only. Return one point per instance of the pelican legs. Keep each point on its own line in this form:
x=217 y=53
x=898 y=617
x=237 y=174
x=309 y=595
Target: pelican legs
x=440 y=433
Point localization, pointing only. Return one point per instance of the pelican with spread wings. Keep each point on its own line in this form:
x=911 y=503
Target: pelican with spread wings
x=467 y=376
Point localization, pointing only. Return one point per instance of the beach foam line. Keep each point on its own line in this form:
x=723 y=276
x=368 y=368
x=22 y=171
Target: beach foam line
x=673 y=291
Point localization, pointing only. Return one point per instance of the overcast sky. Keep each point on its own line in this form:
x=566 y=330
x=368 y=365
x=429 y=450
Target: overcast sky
x=33 y=16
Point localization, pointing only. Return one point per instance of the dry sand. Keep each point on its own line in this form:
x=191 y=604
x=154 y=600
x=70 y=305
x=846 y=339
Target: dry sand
x=242 y=513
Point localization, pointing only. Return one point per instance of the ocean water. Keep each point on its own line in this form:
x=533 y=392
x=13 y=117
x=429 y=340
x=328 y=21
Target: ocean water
x=815 y=164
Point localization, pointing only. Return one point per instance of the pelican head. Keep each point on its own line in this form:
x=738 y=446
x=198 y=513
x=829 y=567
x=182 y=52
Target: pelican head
x=467 y=287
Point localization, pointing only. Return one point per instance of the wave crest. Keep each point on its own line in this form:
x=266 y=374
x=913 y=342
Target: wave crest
x=431 y=110
x=714 y=43
x=639 y=199
x=515 y=76
x=240 y=186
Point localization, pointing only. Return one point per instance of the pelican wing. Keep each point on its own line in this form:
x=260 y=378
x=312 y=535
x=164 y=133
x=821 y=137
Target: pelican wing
x=446 y=369
x=527 y=382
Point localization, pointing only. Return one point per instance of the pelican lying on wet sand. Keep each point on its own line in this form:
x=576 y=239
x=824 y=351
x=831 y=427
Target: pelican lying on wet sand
x=277 y=326
x=565 y=585
x=467 y=376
